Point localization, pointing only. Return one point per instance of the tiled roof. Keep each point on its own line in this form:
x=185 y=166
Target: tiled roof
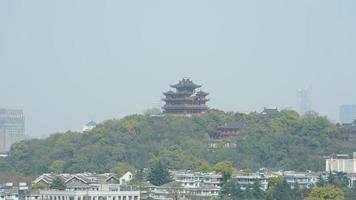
x=185 y=82
x=91 y=123
x=233 y=125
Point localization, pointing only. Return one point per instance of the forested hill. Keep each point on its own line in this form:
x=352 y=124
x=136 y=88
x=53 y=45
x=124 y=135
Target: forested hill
x=282 y=141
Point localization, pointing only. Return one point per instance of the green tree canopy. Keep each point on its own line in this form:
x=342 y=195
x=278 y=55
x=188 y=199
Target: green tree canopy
x=57 y=166
x=282 y=141
x=158 y=174
x=225 y=167
x=278 y=189
x=328 y=192
x=121 y=168
x=58 y=184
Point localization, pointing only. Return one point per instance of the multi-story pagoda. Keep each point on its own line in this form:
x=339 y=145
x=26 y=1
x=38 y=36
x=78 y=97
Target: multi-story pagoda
x=185 y=100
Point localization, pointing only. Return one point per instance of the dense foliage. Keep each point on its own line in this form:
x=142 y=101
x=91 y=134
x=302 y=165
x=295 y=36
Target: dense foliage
x=58 y=184
x=330 y=192
x=282 y=141
x=159 y=174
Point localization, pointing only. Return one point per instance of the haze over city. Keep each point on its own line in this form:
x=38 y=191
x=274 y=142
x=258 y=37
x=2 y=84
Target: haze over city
x=69 y=62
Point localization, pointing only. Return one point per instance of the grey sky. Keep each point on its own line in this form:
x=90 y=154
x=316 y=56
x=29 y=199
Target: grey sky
x=67 y=62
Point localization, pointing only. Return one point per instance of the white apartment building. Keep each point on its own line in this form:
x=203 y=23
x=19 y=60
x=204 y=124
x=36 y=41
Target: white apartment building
x=302 y=180
x=89 y=195
x=188 y=185
x=247 y=179
x=341 y=163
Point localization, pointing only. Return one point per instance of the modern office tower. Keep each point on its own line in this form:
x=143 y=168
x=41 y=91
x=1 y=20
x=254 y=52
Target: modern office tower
x=347 y=113
x=304 y=100
x=12 y=128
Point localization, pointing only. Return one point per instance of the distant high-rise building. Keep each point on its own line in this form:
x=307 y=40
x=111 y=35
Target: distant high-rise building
x=347 y=113
x=12 y=128
x=304 y=100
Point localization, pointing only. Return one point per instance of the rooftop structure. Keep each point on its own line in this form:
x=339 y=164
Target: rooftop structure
x=230 y=129
x=87 y=180
x=185 y=100
x=224 y=135
x=269 y=111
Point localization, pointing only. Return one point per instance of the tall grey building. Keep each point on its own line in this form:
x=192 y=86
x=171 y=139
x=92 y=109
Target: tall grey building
x=12 y=128
x=347 y=113
x=304 y=100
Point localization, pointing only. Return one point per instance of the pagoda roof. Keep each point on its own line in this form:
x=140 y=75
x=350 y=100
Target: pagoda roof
x=202 y=93
x=185 y=82
x=233 y=125
x=270 y=111
x=91 y=123
x=170 y=92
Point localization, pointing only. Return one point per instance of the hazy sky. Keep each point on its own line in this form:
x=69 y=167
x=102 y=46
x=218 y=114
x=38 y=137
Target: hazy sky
x=67 y=62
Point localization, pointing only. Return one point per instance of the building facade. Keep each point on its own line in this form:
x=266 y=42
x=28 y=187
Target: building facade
x=230 y=129
x=341 y=163
x=185 y=100
x=89 y=195
x=12 y=128
x=88 y=186
x=188 y=185
x=85 y=181
x=303 y=180
x=347 y=113
x=304 y=102
x=245 y=180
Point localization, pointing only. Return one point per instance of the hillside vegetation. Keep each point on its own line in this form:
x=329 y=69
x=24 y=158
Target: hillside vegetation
x=283 y=141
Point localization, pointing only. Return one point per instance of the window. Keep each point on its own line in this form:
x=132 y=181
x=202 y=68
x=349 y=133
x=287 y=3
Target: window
x=135 y=197
x=124 y=198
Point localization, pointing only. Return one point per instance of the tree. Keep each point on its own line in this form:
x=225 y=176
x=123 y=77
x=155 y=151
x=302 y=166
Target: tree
x=38 y=186
x=121 y=168
x=339 y=179
x=57 y=166
x=58 y=184
x=159 y=174
x=231 y=189
x=256 y=192
x=328 y=192
x=281 y=141
x=278 y=189
x=225 y=167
